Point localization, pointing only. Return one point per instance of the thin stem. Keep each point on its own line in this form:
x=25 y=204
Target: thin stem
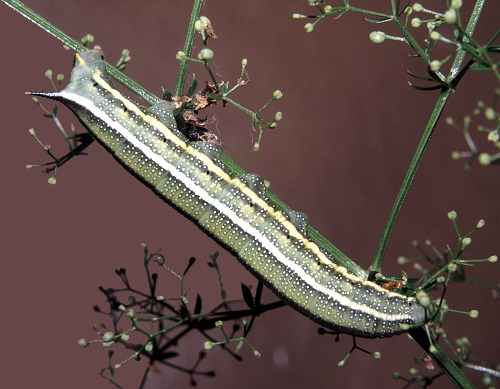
x=31 y=15
x=376 y=265
x=442 y=359
x=188 y=47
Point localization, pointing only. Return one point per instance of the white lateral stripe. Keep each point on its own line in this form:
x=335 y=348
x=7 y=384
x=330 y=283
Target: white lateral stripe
x=268 y=245
x=312 y=246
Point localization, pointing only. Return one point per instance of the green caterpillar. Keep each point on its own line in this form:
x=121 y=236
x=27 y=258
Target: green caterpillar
x=233 y=210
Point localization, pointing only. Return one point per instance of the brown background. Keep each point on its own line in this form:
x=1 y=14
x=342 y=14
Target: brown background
x=350 y=127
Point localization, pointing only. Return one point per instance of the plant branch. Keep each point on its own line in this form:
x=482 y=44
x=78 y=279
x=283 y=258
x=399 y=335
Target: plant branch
x=188 y=47
x=453 y=76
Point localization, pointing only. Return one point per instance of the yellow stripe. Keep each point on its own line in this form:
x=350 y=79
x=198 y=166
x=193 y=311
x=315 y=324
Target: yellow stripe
x=277 y=215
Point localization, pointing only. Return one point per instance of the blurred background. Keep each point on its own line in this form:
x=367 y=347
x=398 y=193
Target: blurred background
x=350 y=126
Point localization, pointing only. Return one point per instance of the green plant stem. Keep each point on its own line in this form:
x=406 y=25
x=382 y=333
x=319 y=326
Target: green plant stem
x=376 y=264
x=442 y=359
x=31 y=15
x=188 y=47
x=150 y=98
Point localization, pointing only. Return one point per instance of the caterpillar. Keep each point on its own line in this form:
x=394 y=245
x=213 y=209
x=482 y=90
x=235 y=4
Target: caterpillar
x=233 y=209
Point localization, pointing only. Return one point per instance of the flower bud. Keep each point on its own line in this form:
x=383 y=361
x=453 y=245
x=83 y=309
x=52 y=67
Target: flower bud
x=377 y=36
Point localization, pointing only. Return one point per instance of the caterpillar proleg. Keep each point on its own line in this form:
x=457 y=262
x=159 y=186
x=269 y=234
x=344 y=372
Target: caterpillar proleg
x=233 y=210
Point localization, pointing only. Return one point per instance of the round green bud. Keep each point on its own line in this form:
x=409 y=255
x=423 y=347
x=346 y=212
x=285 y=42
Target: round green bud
x=463 y=342
x=417 y=7
x=416 y=22
x=197 y=25
x=257 y=354
x=484 y=159
x=219 y=324
x=377 y=36
x=130 y=313
x=487 y=380
x=121 y=307
x=82 y=342
x=160 y=298
x=465 y=242
x=452 y=215
x=60 y=77
x=440 y=279
x=148 y=347
x=278 y=116
x=435 y=36
x=455 y=155
x=32 y=131
x=490 y=113
x=35 y=100
x=244 y=62
x=299 y=16
x=52 y=181
x=480 y=224
x=402 y=260
x=206 y=54
x=48 y=73
x=450 y=16
x=184 y=300
x=277 y=94
x=328 y=9
x=376 y=355
x=125 y=52
x=118 y=365
x=413 y=370
x=417 y=266
x=208 y=345
x=493 y=136
x=423 y=299
x=108 y=336
x=205 y=22
x=452 y=267
x=474 y=314
x=493 y=259
x=29 y=166
x=457 y=4
x=47 y=147
x=309 y=27
x=125 y=337
x=432 y=349
x=180 y=55
x=435 y=65
x=450 y=121
x=396 y=375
